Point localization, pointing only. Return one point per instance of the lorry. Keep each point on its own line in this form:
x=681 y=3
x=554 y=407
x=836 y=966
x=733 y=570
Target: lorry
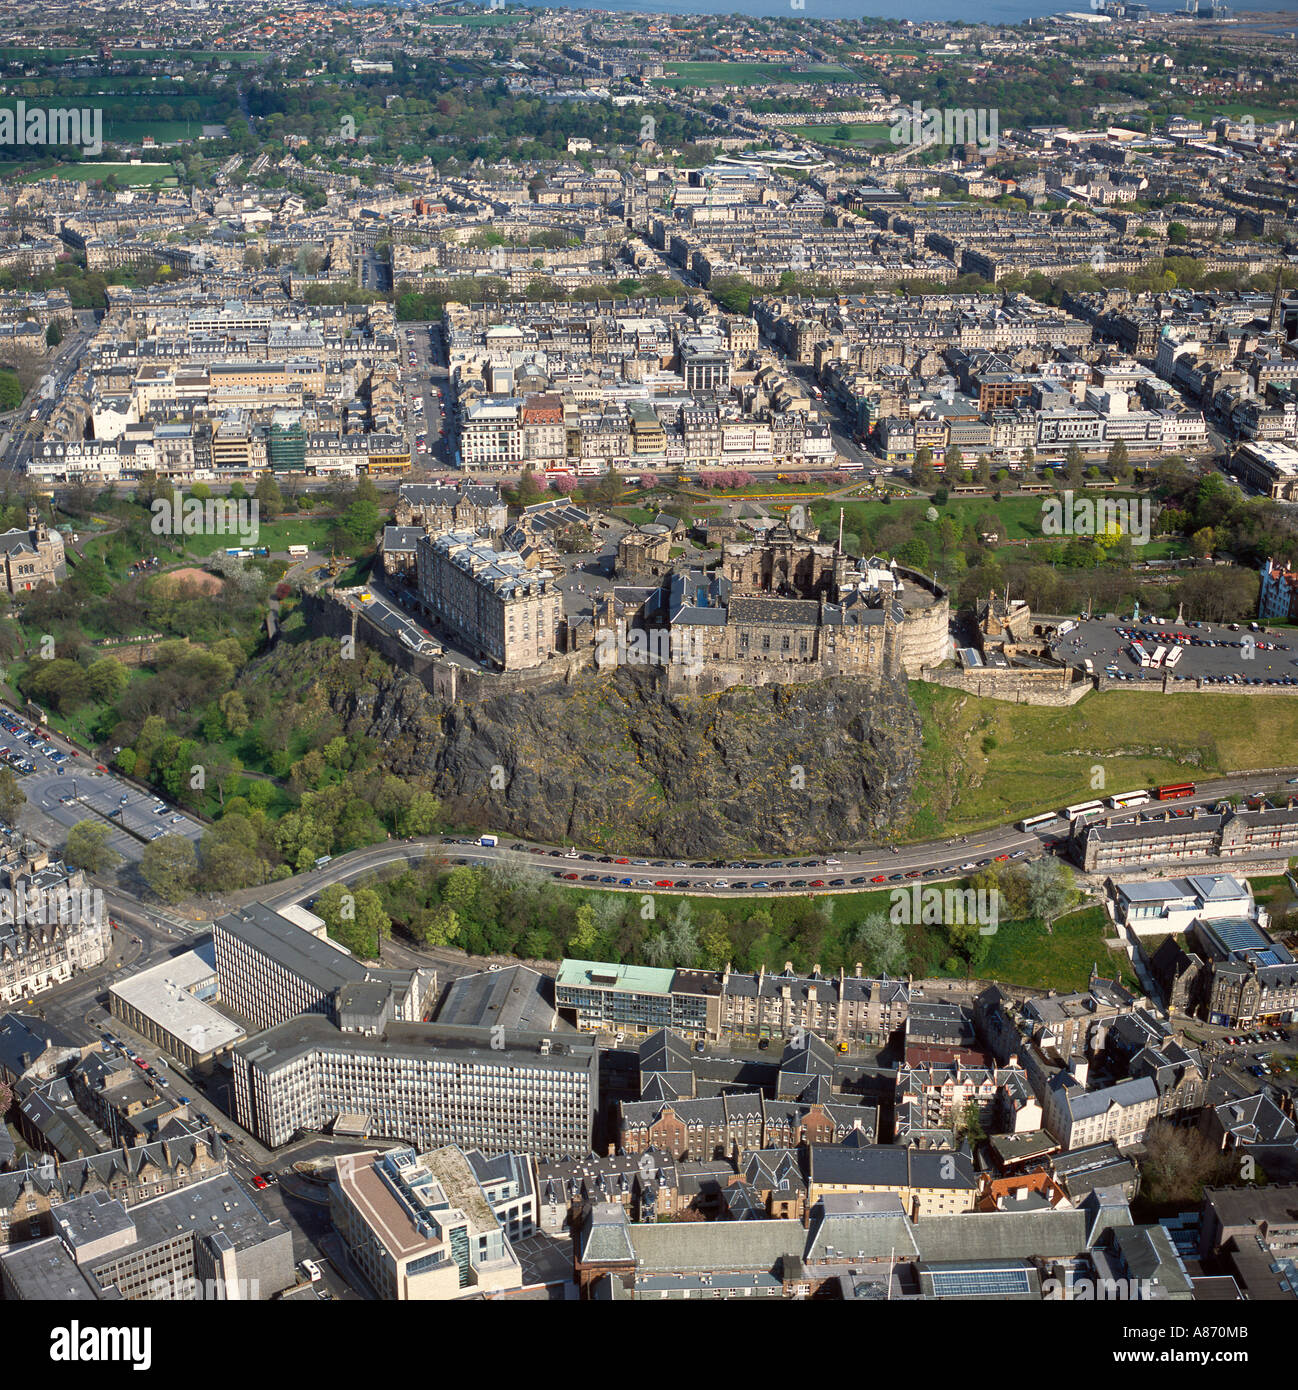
x=489 y=841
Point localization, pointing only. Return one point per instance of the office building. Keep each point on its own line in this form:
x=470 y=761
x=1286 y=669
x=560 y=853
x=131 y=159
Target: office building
x=422 y=1084
x=420 y=1226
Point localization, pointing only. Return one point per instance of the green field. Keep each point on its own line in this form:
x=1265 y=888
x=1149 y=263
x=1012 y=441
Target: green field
x=746 y=74
x=90 y=171
x=1044 y=758
x=275 y=535
x=866 y=133
x=1019 y=516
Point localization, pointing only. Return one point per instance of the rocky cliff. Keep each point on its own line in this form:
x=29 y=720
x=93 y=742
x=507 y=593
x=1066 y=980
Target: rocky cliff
x=617 y=763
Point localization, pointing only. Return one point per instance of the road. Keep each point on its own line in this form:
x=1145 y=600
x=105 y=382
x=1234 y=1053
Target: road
x=853 y=870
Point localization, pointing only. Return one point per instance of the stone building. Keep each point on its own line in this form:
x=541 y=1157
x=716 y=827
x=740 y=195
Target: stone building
x=1229 y=972
x=33 y=556
x=28 y=1196
x=505 y=613
x=468 y=507
x=644 y=554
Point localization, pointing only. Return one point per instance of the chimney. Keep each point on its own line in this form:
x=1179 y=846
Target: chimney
x=856 y=971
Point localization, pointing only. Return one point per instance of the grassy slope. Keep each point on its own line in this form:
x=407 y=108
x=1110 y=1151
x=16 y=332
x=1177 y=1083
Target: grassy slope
x=1044 y=757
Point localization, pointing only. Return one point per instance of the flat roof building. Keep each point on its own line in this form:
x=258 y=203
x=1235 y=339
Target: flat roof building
x=421 y=1083
x=420 y=1226
x=167 y=1004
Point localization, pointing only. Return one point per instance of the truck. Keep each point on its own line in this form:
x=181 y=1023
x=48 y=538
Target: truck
x=489 y=841
x=297 y=552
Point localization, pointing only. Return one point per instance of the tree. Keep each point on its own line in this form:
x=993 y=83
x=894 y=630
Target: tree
x=234 y=712
x=1203 y=542
x=1074 y=465
x=87 y=847
x=421 y=816
x=585 y=934
x=1117 y=459
x=269 y=498
x=107 y=679
x=882 y=943
x=355 y=918
x=970 y=1125
x=1049 y=888
x=12 y=795
x=1178 y=1162
x=437 y=926
x=54 y=333
x=1177 y=234
x=168 y=866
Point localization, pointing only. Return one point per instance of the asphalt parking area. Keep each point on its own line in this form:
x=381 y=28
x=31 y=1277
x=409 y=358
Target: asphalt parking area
x=1214 y=652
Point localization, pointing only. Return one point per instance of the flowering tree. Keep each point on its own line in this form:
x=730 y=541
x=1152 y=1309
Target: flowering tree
x=563 y=483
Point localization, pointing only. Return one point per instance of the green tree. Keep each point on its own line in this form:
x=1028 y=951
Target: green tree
x=882 y=944
x=168 y=866
x=107 y=679
x=12 y=796
x=422 y=816
x=437 y=926
x=270 y=501
x=87 y=847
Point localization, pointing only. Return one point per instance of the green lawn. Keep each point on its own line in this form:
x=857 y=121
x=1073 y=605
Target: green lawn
x=1021 y=953
x=275 y=535
x=89 y=171
x=746 y=74
x=1025 y=954
x=864 y=133
x=1044 y=758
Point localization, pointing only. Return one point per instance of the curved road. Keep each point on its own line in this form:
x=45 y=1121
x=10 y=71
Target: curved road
x=857 y=870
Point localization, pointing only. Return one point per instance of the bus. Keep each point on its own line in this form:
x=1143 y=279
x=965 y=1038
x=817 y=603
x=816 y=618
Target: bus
x=297 y=552
x=1160 y=653
x=1138 y=654
x=1030 y=823
x=1120 y=803
x=1083 y=808
x=1173 y=657
x=1174 y=791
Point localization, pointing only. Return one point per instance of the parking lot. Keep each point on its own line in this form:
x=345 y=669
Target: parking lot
x=67 y=786
x=1216 y=653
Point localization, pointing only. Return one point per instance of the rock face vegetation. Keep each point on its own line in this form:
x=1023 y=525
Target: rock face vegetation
x=616 y=762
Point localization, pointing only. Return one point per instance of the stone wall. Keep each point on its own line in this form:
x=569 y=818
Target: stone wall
x=1058 y=687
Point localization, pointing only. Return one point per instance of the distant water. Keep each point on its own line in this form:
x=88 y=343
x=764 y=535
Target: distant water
x=987 y=12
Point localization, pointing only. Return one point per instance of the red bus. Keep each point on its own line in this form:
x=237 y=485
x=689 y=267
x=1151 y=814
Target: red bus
x=1174 y=791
